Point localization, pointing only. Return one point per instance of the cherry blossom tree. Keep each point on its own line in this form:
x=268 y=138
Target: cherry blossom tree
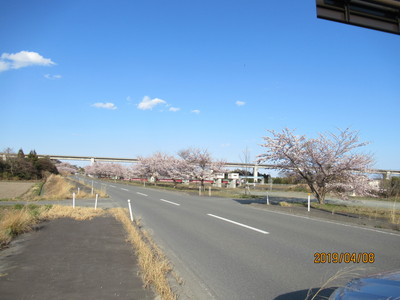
x=199 y=164
x=66 y=168
x=130 y=172
x=177 y=169
x=91 y=170
x=328 y=163
x=110 y=170
x=157 y=166
x=116 y=170
x=192 y=164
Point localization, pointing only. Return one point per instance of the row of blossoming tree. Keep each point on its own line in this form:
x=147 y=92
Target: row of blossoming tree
x=191 y=163
x=329 y=163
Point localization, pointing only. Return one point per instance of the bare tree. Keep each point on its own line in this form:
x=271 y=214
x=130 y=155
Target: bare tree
x=8 y=154
x=327 y=163
x=245 y=158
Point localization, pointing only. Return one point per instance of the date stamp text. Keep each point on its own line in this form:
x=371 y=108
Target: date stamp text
x=344 y=257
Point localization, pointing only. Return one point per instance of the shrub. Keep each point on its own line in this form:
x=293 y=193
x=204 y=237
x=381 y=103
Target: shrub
x=26 y=167
x=391 y=187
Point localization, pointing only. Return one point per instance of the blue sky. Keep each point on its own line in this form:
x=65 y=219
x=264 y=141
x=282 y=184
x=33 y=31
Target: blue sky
x=129 y=78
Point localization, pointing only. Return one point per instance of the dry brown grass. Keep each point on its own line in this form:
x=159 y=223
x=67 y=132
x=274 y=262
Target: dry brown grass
x=82 y=194
x=14 y=222
x=155 y=267
x=5 y=238
x=56 y=187
x=285 y=204
x=77 y=213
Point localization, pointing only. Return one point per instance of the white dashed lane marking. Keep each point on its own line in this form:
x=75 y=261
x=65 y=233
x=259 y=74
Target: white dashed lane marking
x=170 y=202
x=239 y=224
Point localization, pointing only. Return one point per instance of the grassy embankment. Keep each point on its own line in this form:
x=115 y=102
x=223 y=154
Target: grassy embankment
x=55 y=187
x=58 y=187
x=392 y=215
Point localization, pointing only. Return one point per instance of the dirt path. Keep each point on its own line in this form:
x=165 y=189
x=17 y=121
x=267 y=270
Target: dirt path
x=11 y=189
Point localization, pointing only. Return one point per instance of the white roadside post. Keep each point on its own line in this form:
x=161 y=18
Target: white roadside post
x=130 y=209
x=267 y=199
x=92 y=187
x=79 y=190
x=309 y=201
x=95 y=204
x=209 y=191
x=73 y=200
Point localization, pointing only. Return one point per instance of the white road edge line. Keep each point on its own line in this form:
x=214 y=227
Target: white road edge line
x=170 y=202
x=240 y=224
x=124 y=189
x=141 y=194
x=112 y=186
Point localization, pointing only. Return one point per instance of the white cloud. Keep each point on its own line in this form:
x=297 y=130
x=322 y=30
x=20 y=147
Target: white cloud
x=107 y=105
x=195 y=111
x=174 y=109
x=3 y=66
x=49 y=76
x=23 y=59
x=240 y=103
x=148 y=103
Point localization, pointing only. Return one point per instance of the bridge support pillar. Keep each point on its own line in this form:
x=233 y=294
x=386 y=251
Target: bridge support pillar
x=255 y=173
x=92 y=161
x=387 y=175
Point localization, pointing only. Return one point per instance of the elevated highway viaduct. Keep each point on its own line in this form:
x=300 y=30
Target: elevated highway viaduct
x=385 y=173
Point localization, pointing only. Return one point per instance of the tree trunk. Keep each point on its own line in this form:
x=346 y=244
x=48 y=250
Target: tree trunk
x=318 y=192
x=321 y=198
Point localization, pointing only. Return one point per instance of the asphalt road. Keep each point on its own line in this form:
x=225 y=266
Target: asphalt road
x=225 y=250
